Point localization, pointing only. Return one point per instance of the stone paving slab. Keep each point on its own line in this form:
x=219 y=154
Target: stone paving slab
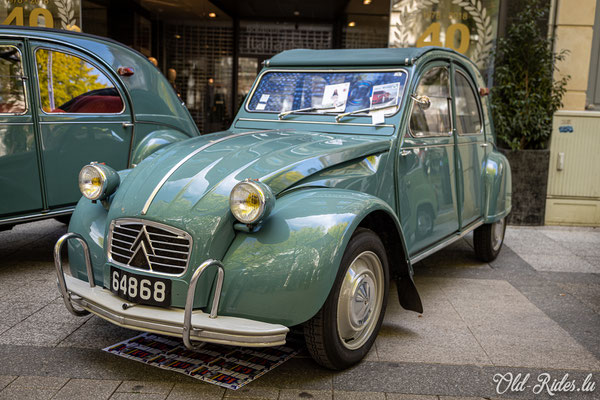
x=89 y=389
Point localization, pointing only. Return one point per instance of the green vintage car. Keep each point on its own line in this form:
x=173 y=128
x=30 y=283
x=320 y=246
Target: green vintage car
x=299 y=214
x=67 y=99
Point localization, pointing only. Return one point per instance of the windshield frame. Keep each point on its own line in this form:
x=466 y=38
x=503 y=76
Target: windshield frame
x=260 y=76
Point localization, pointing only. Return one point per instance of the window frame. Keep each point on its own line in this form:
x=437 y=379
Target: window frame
x=102 y=70
x=450 y=100
x=258 y=79
x=23 y=82
x=460 y=70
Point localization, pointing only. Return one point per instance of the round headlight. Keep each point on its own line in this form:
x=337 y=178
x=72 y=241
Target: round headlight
x=97 y=181
x=250 y=201
x=92 y=181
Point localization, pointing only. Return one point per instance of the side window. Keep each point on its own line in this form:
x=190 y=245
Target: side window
x=12 y=89
x=69 y=84
x=468 y=119
x=433 y=120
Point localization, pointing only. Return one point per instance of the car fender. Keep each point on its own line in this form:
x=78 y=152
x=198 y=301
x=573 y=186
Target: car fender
x=89 y=220
x=284 y=272
x=154 y=141
x=498 y=187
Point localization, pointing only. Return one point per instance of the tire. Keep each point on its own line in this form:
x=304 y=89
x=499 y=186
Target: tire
x=342 y=332
x=488 y=240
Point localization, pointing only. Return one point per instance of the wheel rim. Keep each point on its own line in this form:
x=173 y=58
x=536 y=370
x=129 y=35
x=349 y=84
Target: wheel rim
x=497 y=234
x=360 y=300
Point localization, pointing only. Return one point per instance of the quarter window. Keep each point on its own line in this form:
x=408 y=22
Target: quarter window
x=468 y=120
x=12 y=89
x=69 y=84
x=432 y=120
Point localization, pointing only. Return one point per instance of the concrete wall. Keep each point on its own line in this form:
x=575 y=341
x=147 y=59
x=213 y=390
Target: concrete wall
x=574 y=31
x=573 y=196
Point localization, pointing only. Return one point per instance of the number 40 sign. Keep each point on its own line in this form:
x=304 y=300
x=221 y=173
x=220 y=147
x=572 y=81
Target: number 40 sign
x=467 y=26
x=63 y=14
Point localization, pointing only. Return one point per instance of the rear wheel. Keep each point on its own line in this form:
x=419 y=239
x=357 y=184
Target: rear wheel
x=344 y=330
x=488 y=240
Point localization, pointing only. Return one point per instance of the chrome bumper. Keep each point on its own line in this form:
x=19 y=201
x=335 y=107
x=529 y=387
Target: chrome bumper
x=187 y=324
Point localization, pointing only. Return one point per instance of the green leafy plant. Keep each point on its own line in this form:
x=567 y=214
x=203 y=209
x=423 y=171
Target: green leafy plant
x=525 y=94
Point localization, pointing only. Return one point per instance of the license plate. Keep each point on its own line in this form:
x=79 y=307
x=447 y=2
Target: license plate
x=140 y=289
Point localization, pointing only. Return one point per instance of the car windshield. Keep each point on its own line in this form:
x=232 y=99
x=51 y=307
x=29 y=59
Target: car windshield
x=328 y=92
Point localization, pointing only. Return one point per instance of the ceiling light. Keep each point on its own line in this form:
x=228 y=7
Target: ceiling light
x=296 y=13
x=351 y=23
x=212 y=15
x=366 y=2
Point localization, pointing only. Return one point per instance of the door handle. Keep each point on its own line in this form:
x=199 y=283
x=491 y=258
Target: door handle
x=127 y=124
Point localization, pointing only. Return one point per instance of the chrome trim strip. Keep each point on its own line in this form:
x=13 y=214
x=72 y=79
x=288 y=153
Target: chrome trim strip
x=424 y=146
x=175 y=231
x=451 y=239
x=35 y=217
x=185 y=159
x=78 y=122
x=315 y=122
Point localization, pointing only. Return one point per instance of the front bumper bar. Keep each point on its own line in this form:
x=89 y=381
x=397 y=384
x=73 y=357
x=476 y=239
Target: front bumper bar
x=187 y=324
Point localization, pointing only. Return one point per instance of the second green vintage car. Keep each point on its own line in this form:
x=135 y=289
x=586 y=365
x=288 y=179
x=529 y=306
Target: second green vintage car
x=69 y=98
x=342 y=169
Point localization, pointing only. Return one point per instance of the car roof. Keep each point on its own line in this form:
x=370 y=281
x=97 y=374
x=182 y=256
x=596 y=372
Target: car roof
x=353 y=57
x=148 y=88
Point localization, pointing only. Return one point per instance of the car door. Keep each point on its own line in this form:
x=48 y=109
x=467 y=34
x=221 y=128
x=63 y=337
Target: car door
x=427 y=179
x=83 y=117
x=470 y=146
x=19 y=172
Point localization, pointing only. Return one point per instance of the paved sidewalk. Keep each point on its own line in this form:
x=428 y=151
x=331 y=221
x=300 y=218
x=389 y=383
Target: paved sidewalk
x=534 y=310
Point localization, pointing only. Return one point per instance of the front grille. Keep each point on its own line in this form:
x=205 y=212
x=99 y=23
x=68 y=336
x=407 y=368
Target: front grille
x=149 y=246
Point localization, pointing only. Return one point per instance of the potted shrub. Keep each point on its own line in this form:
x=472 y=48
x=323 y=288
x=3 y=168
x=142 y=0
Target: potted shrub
x=524 y=98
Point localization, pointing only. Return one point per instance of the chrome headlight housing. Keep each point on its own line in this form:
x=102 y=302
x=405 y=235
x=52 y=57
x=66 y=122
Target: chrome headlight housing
x=98 y=181
x=251 y=201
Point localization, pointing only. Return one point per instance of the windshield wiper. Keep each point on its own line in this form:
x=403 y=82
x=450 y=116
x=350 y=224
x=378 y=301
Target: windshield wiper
x=340 y=116
x=284 y=114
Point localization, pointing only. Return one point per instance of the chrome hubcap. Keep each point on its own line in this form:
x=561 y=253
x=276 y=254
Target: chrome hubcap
x=360 y=300
x=498 y=234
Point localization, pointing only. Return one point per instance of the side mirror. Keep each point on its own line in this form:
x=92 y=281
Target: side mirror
x=423 y=101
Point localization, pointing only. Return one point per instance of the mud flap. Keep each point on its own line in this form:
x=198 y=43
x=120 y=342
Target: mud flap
x=408 y=295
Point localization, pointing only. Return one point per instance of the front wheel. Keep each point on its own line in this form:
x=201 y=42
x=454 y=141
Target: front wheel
x=345 y=328
x=488 y=240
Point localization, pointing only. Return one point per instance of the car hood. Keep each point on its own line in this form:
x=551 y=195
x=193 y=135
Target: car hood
x=187 y=185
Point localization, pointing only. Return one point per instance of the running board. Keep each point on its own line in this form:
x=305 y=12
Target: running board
x=451 y=239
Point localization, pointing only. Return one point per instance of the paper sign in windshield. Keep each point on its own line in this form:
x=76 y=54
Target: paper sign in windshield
x=385 y=95
x=335 y=95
